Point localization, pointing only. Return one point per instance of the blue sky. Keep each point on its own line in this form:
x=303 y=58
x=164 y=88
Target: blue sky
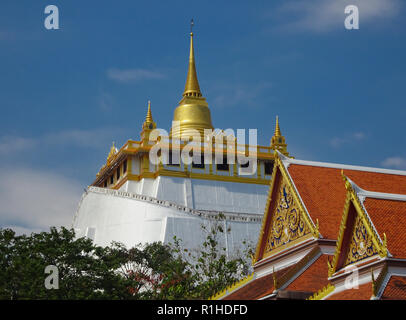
x=66 y=94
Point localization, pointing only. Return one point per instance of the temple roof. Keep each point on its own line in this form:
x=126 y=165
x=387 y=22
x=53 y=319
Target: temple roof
x=363 y=292
x=313 y=278
x=389 y=217
x=258 y=288
x=395 y=289
x=327 y=192
x=323 y=192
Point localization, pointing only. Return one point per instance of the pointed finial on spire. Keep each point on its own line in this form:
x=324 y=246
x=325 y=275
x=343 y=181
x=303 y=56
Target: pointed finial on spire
x=277 y=129
x=191 y=26
x=278 y=141
x=148 y=118
x=149 y=123
x=113 y=151
x=192 y=88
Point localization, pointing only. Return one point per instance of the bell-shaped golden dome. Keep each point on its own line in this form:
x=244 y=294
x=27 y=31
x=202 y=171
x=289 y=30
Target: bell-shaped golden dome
x=193 y=111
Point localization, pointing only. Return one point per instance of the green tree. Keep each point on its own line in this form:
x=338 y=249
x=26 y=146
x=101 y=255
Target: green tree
x=87 y=271
x=211 y=268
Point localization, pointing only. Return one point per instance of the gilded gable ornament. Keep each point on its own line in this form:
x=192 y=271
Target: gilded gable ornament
x=287 y=221
x=361 y=246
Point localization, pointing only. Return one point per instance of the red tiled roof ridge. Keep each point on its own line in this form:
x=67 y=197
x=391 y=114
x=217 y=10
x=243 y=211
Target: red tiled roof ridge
x=374 y=194
x=382 y=195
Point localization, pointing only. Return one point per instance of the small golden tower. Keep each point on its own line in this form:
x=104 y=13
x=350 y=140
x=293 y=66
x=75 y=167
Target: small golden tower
x=113 y=151
x=278 y=141
x=193 y=111
x=148 y=125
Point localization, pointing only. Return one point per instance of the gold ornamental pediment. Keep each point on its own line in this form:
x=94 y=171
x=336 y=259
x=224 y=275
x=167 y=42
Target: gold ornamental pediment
x=288 y=225
x=361 y=246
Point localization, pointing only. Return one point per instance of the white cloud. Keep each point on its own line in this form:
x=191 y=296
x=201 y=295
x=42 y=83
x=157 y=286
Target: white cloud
x=133 y=75
x=321 y=16
x=10 y=144
x=227 y=95
x=33 y=201
x=395 y=162
x=337 y=142
x=106 y=102
x=94 y=138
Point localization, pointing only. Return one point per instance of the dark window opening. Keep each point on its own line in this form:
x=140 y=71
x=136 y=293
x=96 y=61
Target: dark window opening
x=171 y=160
x=111 y=179
x=105 y=183
x=199 y=165
x=118 y=173
x=223 y=166
x=245 y=165
x=125 y=166
x=268 y=167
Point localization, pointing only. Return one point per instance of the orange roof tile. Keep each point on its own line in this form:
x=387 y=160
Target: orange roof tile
x=395 y=289
x=323 y=191
x=257 y=288
x=364 y=292
x=313 y=278
x=389 y=217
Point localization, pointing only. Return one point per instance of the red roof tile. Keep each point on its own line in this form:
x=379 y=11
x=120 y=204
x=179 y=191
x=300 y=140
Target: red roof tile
x=389 y=217
x=364 y=292
x=323 y=191
x=257 y=288
x=313 y=278
x=395 y=289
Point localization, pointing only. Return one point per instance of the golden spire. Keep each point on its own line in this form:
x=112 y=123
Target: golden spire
x=113 y=151
x=149 y=123
x=278 y=141
x=192 y=88
x=277 y=129
x=192 y=113
x=148 y=118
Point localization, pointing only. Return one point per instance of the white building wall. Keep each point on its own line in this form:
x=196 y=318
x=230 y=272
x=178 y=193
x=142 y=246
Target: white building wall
x=203 y=194
x=107 y=215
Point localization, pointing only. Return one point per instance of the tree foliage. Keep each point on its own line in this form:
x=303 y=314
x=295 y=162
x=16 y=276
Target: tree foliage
x=87 y=271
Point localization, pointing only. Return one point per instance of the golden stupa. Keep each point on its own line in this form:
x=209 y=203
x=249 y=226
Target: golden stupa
x=193 y=111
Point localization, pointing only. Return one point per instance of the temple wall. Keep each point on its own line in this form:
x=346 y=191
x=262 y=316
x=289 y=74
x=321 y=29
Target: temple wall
x=204 y=194
x=106 y=215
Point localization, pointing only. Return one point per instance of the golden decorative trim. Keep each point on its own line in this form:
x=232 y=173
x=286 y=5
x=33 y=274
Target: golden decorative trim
x=322 y=293
x=314 y=229
x=204 y=176
x=287 y=222
x=361 y=245
x=377 y=284
x=266 y=213
x=288 y=245
x=352 y=198
x=131 y=148
x=232 y=288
